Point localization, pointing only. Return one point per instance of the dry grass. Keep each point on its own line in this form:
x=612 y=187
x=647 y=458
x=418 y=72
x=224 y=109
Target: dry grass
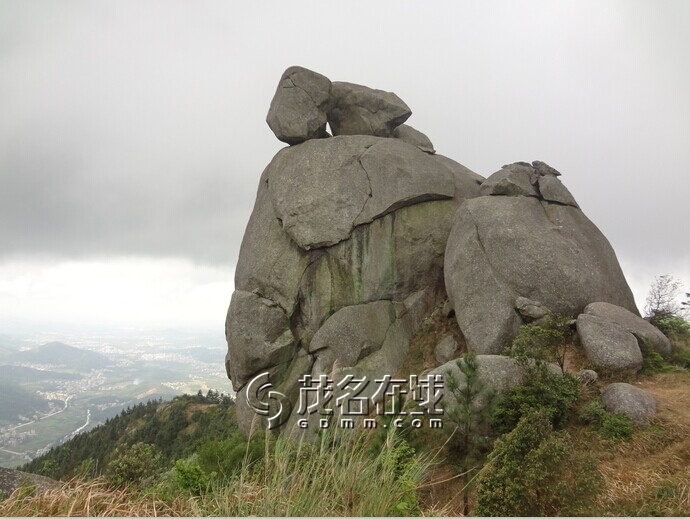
x=650 y=475
x=87 y=499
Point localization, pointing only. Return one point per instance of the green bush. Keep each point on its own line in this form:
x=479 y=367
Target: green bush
x=612 y=426
x=134 y=465
x=534 y=471
x=190 y=477
x=652 y=362
x=545 y=342
x=543 y=390
x=616 y=426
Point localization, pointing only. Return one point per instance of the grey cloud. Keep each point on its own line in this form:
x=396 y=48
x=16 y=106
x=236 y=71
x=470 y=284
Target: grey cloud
x=138 y=127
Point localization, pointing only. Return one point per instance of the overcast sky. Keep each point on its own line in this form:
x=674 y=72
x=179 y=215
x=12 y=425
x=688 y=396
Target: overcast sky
x=133 y=134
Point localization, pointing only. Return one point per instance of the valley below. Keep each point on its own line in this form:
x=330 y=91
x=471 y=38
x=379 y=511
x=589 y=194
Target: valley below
x=54 y=386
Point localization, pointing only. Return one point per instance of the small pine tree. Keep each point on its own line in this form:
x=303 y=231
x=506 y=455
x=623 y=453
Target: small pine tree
x=471 y=415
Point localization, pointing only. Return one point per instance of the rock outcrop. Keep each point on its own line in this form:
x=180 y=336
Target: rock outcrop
x=355 y=238
x=607 y=345
x=343 y=254
x=518 y=242
x=641 y=329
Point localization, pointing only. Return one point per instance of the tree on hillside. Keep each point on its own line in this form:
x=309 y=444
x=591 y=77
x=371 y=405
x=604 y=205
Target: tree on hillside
x=662 y=299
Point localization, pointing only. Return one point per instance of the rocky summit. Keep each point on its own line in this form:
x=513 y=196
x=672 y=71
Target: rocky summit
x=357 y=235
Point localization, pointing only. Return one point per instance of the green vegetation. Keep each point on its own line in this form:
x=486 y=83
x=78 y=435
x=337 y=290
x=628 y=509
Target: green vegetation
x=547 y=447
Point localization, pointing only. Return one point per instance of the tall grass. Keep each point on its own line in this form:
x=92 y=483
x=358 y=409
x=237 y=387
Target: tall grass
x=340 y=474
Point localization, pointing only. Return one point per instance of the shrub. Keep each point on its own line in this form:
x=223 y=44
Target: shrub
x=543 y=390
x=534 y=471
x=190 y=477
x=546 y=342
x=612 y=426
x=134 y=465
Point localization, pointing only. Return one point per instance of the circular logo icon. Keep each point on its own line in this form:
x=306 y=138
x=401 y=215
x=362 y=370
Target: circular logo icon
x=265 y=401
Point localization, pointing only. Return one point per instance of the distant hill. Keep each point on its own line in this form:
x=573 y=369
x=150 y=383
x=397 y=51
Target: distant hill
x=24 y=375
x=61 y=354
x=15 y=401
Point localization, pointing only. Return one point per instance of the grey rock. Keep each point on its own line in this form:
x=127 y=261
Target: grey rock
x=608 y=345
x=512 y=180
x=633 y=323
x=445 y=349
x=543 y=169
x=351 y=334
x=587 y=376
x=447 y=308
x=400 y=175
x=414 y=137
x=299 y=107
x=530 y=310
x=318 y=189
x=11 y=480
x=633 y=402
x=270 y=263
x=503 y=247
x=322 y=189
x=360 y=110
x=258 y=335
x=496 y=373
x=552 y=190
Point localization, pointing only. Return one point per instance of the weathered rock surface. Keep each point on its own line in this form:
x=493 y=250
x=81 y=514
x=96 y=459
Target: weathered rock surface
x=300 y=105
x=445 y=349
x=258 y=335
x=412 y=136
x=633 y=402
x=352 y=333
x=530 y=310
x=608 y=345
x=587 y=376
x=495 y=373
x=11 y=479
x=633 y=323
x=513 y=244
x=322 y=189
x=512 y=180
x=360 y=110
x=552 y=190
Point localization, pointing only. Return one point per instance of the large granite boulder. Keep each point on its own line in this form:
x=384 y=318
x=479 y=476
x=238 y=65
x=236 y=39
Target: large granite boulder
x=342 y=258
x=608 y=345
x=322 y=189
x=300 y=105
x=515 y=243
x=633 y=402
x=360 y=110
x=641 y=329
x=11 y=480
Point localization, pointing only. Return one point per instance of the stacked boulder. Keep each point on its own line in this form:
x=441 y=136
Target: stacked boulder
x=343 y=254
x=358 y=233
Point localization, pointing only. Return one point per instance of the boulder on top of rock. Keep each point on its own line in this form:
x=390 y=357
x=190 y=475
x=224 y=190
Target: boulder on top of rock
x=633 y=402
x=607 y=345
x=412 y=136
x=299 y=108
x=512 y=180
x=504 y=247
x=633 y=323
x=322 y=189
x=360 y=110
x=543 y=169
x=552 y=190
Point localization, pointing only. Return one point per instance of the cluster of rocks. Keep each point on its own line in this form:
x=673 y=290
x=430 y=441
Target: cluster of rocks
x=357 y=234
